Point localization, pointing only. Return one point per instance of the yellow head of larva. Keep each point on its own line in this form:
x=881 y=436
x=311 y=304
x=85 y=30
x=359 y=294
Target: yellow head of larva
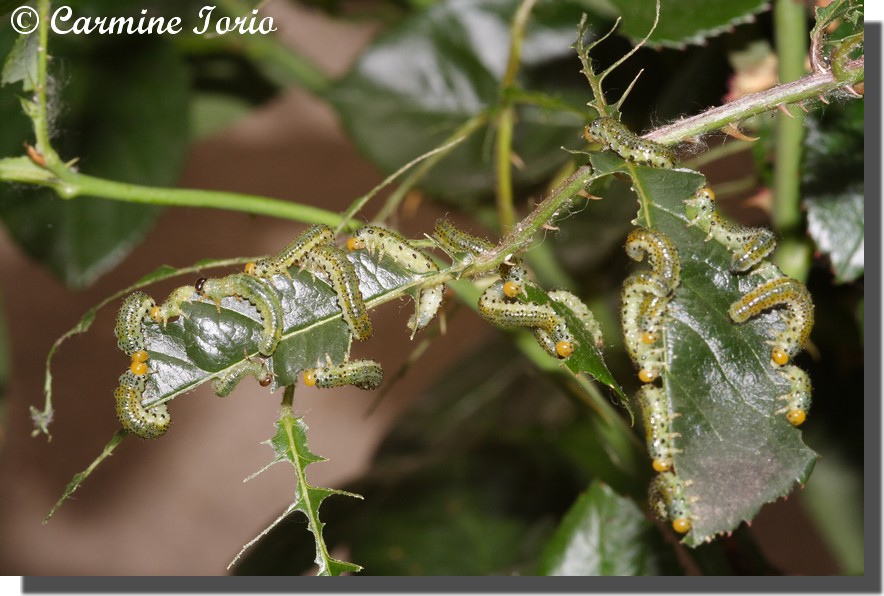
x=564 y=348
x=310 y=377
x=138 y=368
x=511 y=289
x=140 y=356
x=354 y=243
x=649 y=337
x=796 y=417
x=647 y=375
x=661 y=466
x=779 y=356
x=682 y=525
x=249 y=269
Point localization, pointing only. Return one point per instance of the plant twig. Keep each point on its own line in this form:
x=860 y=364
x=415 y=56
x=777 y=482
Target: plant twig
x=806 y=88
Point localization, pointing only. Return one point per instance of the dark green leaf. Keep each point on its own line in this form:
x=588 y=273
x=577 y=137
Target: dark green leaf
x=290 y=444
x=586 y=357
x=127 y=124
x=833 y=186
x=188 y=351
x=837 y=225
x=684 y=21
x=21 y=63
x=736 y=451
x=8 y=5
x=603 y=534
x=434 y=70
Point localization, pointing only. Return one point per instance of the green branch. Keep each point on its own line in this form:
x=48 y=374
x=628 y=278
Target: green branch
x=69 y=185
x=506 y=118
x=807 y=88
x=794 y=254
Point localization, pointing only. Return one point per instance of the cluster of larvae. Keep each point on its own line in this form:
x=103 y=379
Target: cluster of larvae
x=505 y=302
x=749 y=248
x=645 y=300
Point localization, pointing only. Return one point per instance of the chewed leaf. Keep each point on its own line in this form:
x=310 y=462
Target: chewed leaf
x=188 y=351
x=290 y=444
x=587 y=357
x=686 y=21
x=736 y=452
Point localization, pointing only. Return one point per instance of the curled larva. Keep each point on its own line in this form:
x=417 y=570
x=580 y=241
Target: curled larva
x=613 y=135
x=582 y=312
x=643 y=303
x=225 y=382
x=292 y=254
x=386 y=242
x=780 y=291
x=457 y=242
x=342 y=275
x=669 y=502
x=171 y=306
x=550 y=330
x=662 y=254
x=128 y=329
x=657 y=419
x=558 y=344
x=749 y=246
x=494 y=308
x=798 y=398
x=652 y=315
x=392 y=244
x=364 y=374
x=147 y=423
x=259 y=294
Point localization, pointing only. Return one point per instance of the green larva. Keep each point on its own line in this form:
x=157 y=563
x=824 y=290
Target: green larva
x=550 y=329
x=642 y=310
x=292 y=254
x=780 y=291
x=798 y=398
x=662 y=254
x=376 y=239
x=385 y=242
x=171 y=306
x=749 y=246
x=582 y=312
x=657 y=418
x=128 y=329
x=225 y=382
x=613 y=135
x=364 y=374
x=457 y=242
x=259 y=294
x=342 y=275
x=147 y=423
x=669 y=501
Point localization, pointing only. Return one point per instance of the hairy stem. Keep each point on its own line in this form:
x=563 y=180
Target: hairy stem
x=806 y=88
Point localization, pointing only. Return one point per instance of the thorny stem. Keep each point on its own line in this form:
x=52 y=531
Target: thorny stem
x=804 y=89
